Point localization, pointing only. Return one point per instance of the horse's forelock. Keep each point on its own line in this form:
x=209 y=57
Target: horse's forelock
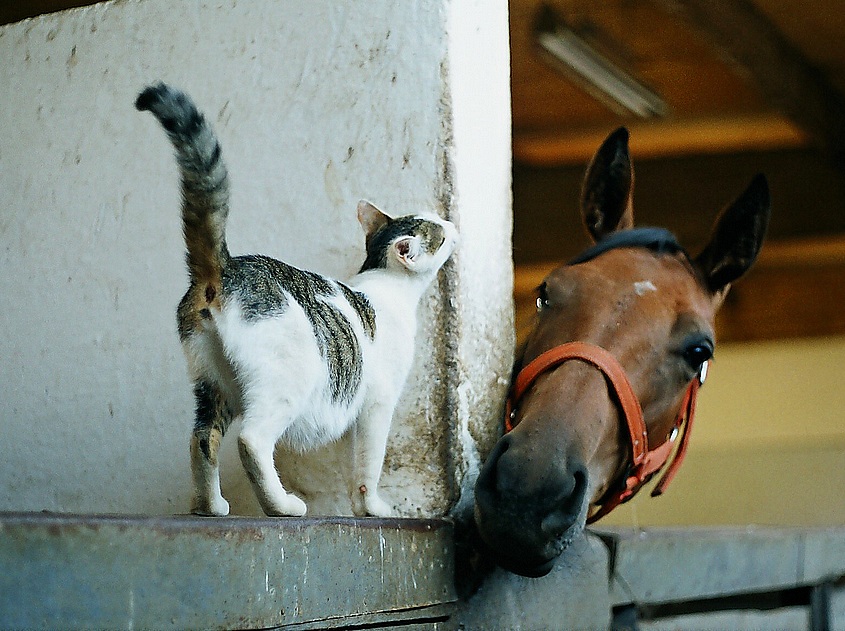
x=658 y=240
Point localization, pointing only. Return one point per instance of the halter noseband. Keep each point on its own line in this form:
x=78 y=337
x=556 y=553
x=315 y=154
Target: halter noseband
x=644 y=462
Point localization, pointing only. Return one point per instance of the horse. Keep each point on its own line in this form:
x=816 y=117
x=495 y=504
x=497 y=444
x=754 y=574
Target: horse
x=607 y=377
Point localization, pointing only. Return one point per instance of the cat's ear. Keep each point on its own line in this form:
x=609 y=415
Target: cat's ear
x=371 y=218
x=407 y=249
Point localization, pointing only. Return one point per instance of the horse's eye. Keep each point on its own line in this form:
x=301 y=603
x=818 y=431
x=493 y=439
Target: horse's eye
x=698 y=353
x=542 y=297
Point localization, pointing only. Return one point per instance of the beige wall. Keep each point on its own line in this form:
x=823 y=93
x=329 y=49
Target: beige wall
x=768 y=445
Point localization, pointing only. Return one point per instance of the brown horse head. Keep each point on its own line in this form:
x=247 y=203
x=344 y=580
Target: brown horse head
x=640 y=297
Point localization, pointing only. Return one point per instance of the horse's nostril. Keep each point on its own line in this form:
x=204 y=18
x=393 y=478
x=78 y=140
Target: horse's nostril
x=580 y=476
x=567 y=510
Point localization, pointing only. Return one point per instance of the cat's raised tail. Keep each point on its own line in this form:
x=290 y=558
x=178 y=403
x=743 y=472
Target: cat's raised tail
x=205 y=181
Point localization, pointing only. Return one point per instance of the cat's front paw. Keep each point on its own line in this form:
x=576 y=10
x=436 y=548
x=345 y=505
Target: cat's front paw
x=289 y=505
x=210 y=507
x=377 y=507
x=369 y=503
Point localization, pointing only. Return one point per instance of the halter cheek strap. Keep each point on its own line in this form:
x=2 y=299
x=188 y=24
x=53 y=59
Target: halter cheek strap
x=644 y=463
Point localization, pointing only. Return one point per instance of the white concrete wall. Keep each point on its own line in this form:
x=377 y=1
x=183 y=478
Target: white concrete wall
x=317 y=104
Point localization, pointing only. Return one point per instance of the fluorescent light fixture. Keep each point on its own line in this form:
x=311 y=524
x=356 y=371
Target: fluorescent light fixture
x=594 y=72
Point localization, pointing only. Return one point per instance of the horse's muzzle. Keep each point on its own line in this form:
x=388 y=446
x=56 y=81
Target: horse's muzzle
x=528 y=509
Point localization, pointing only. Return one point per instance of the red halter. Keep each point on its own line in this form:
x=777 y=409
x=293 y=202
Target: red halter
x=644 y=463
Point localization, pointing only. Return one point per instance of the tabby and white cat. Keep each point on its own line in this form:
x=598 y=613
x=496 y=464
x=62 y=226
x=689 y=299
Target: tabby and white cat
x=300 y=357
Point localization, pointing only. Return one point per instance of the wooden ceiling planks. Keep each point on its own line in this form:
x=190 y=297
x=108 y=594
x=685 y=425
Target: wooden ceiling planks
x=817 y=29
x=791 y=83
x=709 y=59
x=655 y=47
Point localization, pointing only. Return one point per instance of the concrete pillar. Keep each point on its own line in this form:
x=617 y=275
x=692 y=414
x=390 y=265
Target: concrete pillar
x=317 y=104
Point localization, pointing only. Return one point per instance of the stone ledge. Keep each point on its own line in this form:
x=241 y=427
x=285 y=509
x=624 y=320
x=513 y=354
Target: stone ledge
x=83 y=571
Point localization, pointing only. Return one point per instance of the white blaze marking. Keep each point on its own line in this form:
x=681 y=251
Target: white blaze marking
x=644 y=286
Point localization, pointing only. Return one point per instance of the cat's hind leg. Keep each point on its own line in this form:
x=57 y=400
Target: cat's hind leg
x=256 y=445
x=213 y=417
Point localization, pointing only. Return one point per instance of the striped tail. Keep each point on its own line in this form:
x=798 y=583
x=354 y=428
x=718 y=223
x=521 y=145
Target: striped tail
x=205 y=182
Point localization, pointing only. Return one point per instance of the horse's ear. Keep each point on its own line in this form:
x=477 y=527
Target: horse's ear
x=607 y=192
x=737 y=237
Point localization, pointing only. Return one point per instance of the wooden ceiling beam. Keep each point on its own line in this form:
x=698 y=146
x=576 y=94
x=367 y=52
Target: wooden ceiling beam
x=669 y=138
x=790 y=83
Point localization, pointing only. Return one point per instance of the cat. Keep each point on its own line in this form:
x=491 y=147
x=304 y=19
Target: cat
x=299 y=357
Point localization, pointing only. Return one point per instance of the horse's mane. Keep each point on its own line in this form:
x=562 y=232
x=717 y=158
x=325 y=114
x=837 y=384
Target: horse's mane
x=658 y=240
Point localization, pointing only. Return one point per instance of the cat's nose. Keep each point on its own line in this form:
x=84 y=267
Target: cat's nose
x=456 y=239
